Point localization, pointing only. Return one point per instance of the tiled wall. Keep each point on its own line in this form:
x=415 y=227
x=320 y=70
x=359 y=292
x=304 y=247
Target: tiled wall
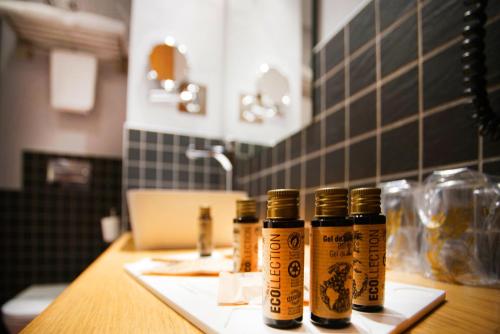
x=154 y=160
x=388 y=104
x=50 y=233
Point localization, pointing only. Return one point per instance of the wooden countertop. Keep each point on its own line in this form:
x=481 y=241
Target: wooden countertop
x=104 y=299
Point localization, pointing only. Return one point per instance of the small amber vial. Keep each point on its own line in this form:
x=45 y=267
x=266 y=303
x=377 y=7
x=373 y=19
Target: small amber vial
x=331 y=260
x=368 y=251
x=246 y=231
x=205 y=245
x=283 y=260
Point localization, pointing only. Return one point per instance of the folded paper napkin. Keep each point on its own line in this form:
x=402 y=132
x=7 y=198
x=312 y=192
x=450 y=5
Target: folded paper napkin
x=188 y=265
x=246 y=288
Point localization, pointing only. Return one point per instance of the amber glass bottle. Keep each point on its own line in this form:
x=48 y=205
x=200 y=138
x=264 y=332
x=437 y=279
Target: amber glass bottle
x=283 y=260
x=246 y=231
x=369 y=250
x=205 y=244
x=331 y=260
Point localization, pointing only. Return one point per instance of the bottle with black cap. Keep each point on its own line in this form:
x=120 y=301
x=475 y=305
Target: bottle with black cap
x=283 y=260
x=368 y=251
x=331 y=260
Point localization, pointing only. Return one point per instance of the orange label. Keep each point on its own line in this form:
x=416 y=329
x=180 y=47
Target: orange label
x=331 y=272
x=283 y=270
x=246 y=246
x=369 y=264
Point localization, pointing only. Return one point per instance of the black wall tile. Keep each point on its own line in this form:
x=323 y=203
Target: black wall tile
x=334 y=89
x=151 y=155
x=492 y=51
x=167 y=175
x=50 y=233
x=441 y=22
x=362 y=27
x=317 y=64
x=280 y=150
x=133 y=172
x=134 y=154
x=399 y=149
x=334 y=51
x=492 y=168
x=449 y=137
x=295 y=177
x=313 y=137
x=399 y=47
x=335 y=128
x=134 y=135
x=317 y=101
x=167 y=139
x=150 y=174
x=493 y=8
x=151 y=137
x=167 y=157
x=443 y=77
x=183 y=141
x=391 y=10
x=280 y=180
x=362 y=159
x=313 y=172
x=490 y=148
x=363 y=115
x=334 y=166
x=296 y=145
x=399 y=97
x=362 y=70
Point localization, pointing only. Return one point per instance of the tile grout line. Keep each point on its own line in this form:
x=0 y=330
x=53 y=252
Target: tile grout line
x=480 y=153
x=346 y=106
x=159 y=152
x=393 y=176
x=287 y=158
x=191 y=163
x=175 y=161
x=142 y=158
x=420 y=92
x=206 y=171
x=323 y=120
x=378 y=91
x=303 y=171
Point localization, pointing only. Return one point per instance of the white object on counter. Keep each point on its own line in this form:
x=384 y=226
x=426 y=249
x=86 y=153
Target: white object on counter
x=110 y=227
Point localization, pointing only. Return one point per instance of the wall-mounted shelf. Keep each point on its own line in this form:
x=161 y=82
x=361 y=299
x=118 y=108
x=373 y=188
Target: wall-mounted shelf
x=50 y=27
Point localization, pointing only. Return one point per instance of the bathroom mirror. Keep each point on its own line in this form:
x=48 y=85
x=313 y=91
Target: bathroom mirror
x=170 y=70
x=270 y=100
x=168 y=64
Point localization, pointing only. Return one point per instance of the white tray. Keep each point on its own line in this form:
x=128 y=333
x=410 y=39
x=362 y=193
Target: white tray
x=195 y=298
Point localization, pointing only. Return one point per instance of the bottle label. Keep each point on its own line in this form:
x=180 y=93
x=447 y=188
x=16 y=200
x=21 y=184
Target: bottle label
x=205 y=237
x=369 y=264
x=331 y=272
x=283 y=270
x=246 y=246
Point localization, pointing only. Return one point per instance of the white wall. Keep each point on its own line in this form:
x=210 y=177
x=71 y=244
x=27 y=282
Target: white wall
x=335 y=14
x=257 y=32
x=227 y=40
x=198 y=25
x=28 y=122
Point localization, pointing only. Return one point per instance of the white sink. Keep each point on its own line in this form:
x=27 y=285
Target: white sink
x=163 y=219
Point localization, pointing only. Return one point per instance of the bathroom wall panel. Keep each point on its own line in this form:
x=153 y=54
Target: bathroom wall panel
x=51 y=233
x=412 y=121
